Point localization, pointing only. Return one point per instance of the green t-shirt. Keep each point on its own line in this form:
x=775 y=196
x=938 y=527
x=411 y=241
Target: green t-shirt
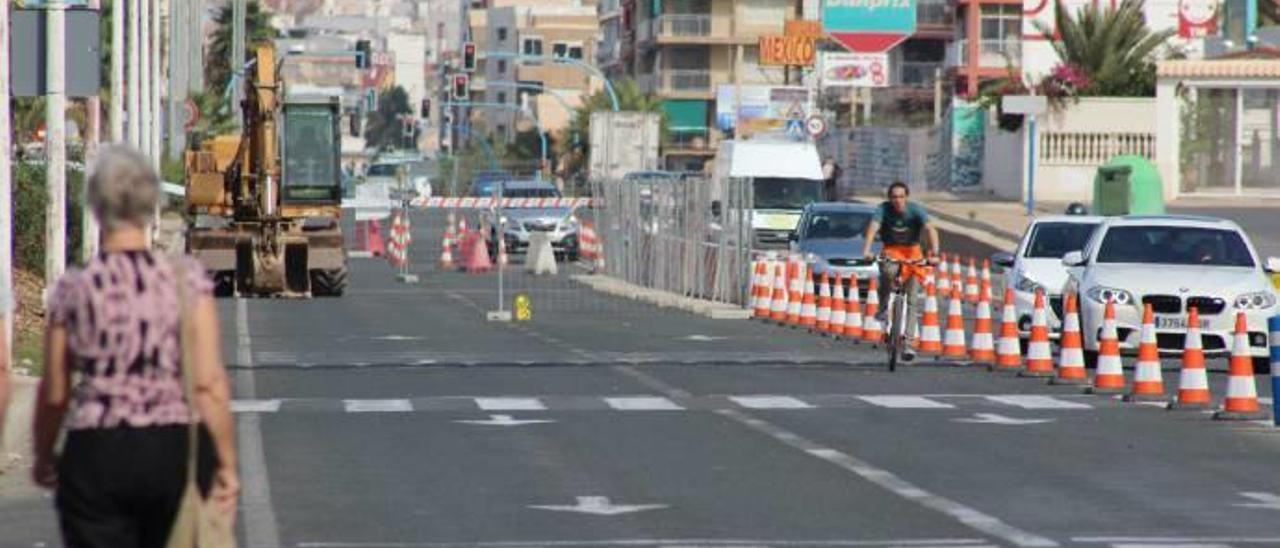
x=901 y=228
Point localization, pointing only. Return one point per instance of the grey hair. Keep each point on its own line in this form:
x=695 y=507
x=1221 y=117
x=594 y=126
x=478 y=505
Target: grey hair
x=123 y=189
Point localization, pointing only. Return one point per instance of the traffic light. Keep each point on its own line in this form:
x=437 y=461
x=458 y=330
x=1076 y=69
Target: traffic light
x=364 y=54
x=426 y=109
x=469 y=57
x=461 y=87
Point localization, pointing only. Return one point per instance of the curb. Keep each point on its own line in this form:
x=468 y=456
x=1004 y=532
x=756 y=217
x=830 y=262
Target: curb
x=663 y=299
x=15 y=445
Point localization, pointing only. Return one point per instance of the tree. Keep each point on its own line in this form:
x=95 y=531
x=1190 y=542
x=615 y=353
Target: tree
x=384 y=127
x=1113 y=47
x=258 y=32
x=572 y=143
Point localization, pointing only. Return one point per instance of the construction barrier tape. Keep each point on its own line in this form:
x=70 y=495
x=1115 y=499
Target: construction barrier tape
x=486 y=203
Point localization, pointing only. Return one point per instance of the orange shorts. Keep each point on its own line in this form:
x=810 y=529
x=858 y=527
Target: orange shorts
x=908 y=253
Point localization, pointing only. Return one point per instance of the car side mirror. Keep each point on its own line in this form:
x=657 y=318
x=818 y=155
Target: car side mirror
x=1002 y=259
x=1074 y=258
x=1273 y=265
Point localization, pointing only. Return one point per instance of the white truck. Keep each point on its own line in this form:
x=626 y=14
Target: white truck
x=623 y=142
x=784 y=176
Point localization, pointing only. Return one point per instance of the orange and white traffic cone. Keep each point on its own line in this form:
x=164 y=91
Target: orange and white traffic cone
x=953 y=344
x=795 y=294
x=761 y=288
x=930 y=341
x=1193 y=381
x=853 y=312
x=942 y=276
x=778 y=301
x=1148 y=381
x=1241 y=402
x=824 y=305
x=986 y=278
x=446 y=250
x=808 y=302
x=1008 y=347
x=503 y=259
x=872 y=331
x=957 y=275
x=1110 y=376
x=1071 y=369
x=971 y=283
x=838 y=314
x=982 y=348
x=1039 y=355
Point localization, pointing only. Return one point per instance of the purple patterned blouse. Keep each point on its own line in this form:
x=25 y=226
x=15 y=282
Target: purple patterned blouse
x=121 y=316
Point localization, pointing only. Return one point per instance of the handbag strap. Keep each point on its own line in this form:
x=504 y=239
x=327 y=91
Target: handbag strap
x=188 y=383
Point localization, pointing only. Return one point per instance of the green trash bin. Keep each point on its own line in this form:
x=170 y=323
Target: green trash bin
x=1128 y=185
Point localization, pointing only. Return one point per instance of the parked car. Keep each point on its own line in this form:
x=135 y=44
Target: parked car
x=1173 y=263
x=1037 y=264
x=830 y=234
x=517 y=224
x=387 y=171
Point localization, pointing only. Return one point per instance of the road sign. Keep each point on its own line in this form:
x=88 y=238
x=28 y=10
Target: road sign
x=816 y=126
x=869 y=26
x=796 y=112
x=858 y=70
x=795 y=129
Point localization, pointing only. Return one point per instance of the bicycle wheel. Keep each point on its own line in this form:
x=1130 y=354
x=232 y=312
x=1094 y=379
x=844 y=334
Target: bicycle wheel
x=896 y=338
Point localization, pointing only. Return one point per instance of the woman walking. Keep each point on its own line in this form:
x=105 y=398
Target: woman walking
x=113 y=329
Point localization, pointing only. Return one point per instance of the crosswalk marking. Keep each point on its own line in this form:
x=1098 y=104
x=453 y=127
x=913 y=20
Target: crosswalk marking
x=1038 y=402
x=770 y=402
x=642 y=403
x=510 y=404
x=905 y=402
x=255 y=406
x=377 y=406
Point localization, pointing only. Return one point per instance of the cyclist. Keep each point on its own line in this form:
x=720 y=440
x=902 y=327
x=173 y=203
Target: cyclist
x=901 y=224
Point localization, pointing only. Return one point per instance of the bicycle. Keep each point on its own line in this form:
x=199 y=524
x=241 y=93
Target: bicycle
x=896 y=335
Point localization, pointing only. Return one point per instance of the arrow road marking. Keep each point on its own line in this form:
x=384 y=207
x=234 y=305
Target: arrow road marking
x=704 y=338
x=397 y=338
x=599 y=506
x=1266 y=501
x=992 y=418
x=505 y=420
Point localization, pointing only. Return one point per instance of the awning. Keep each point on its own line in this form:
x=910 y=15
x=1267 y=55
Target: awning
x=686 y=115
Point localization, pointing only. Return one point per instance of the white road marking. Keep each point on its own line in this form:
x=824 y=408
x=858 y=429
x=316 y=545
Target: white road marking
x=663 y=543
x=642 y=403
x=377 y=406
x=255 y=406
x=505 y=420
x=599 y=506
x=510 y=404
x=704 y=338
x=1038 y=402
x=1169 y=545
x=256 y=511
x=1179 y=541
x=905 y=402
x=1264 y=500
x=992 y=418
x=770 y=402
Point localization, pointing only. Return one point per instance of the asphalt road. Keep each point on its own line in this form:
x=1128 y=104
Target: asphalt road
x=396 y=416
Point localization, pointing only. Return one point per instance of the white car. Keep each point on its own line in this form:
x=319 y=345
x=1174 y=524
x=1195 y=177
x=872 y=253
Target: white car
x=1173 y=263
x=1037 y=264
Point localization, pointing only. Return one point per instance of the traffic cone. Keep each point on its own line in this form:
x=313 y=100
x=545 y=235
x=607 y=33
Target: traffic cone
x=838 y=314
x=503 y=259
x=930 y=340
x=942 y=276
x=982 y=347
x=872 y=331
x=1193 y=381
x=971 y=283
x=853 y=312
x=796 y=292
x=446 y=249
x=1039 y=355
x=953 y=345
x=1241 y=402
x=462 y=225
x=986 y=278
x=1008 y=347
x=778 y=300
x=957 y=275
x=1071 y=352
x=475 y=254
x=809 y=302
x=1148 y=381
x=759 y=280
x=1110 y=376
x=824 y=305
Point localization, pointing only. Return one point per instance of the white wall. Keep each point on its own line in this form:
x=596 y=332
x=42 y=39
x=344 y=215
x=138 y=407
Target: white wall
x=409 y=52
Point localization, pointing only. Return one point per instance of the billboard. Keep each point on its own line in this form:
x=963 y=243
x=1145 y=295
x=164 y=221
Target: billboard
x=869 y=26
x=753 y=109
x=857 y=70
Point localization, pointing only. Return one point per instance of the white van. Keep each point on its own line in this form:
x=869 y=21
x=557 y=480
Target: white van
x=784 y=175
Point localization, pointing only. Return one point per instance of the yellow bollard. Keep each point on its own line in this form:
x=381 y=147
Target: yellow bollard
x=523 y=308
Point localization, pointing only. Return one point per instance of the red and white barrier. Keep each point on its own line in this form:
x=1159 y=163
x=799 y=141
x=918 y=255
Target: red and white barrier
x=472 y=202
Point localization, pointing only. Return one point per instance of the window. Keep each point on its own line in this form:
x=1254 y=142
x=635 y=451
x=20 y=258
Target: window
x=502 y=66
x=1174 y=245
x=531 y=46
x=1001 y=22
x=1053 y=240
x=502 y=96
x=502 y=129
x=502 y=34
x=559 y=50
x=575 y=52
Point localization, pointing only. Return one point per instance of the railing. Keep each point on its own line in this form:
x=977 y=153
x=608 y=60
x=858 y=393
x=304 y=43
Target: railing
x=991 y=53
x=689 y=140
x=1092 y=149
x=682 y=25
x=920 y=74
x=682 y=80
x=935 y=13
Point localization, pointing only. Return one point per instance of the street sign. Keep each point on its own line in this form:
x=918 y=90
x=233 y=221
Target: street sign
x=816 y=126
x=1024 y=104
x=787 y=50
x=858 y=70
x=796 y=112
x=795 y=129
x=192 y=114
x=869 y=26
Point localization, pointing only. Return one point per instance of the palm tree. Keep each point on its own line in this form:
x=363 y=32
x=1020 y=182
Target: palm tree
x=258 y=32
x=1114 y=47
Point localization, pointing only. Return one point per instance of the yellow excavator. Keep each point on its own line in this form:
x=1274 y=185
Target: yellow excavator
x=264 y=207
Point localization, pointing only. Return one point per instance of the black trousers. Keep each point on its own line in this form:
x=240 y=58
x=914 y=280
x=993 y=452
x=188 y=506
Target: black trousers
x=120 y=487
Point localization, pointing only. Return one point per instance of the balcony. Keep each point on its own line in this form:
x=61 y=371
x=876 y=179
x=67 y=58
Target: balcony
x=676 y=81
x=991 y=53
x=688 y=142
x=918 y=73
x=681 y=26
x=935 y=13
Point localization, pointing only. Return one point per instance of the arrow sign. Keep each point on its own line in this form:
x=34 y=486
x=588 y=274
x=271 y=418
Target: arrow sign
x=504 y=420
x=992 y=418
x=1266 y=501
x=599 y=506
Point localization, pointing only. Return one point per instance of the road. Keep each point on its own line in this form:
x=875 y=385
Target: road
x=396 y=416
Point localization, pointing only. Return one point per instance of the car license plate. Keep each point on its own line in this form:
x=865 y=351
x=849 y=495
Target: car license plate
x=1176 y=322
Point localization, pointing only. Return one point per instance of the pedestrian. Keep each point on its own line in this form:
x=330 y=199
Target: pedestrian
x=115 y=325
x=831 y=174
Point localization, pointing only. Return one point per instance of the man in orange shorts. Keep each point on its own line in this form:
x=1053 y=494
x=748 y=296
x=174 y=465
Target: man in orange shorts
x=901 y=224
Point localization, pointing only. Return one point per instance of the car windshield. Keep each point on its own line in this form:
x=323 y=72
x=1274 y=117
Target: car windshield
x=1053 y=240
x=836 y=224
x=777 y=193
x=1176 y=245
x=382 y=170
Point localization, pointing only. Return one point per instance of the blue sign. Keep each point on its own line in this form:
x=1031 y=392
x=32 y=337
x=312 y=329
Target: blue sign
x=795 y=129
x=1273 y=326
x=869 y=26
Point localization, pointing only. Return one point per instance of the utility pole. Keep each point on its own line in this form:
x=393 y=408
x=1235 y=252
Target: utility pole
x=6 y=190
x=157 y=86
x=135 y=82
x=55 y=146
x=237 y=60
x=92 y=134
x=144 y=73
x=117 y=70
x=179 y=75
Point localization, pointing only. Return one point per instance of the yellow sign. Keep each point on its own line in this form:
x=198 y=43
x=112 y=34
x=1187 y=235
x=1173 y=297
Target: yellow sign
x=523 y=308
x=787 y=50
x=803 y=29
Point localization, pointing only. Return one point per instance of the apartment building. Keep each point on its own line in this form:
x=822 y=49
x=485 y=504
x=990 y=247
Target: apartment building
x=989 y=43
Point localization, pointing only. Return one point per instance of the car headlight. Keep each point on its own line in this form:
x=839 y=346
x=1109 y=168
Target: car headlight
x=1027 y=285
x=812 y=258
x=1256 y=300
x=1103 y=294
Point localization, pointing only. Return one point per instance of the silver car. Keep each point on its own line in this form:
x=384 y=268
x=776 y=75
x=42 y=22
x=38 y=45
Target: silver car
x=830 y=235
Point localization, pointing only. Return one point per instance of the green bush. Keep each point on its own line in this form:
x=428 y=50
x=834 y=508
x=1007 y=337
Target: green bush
x=29 y=199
